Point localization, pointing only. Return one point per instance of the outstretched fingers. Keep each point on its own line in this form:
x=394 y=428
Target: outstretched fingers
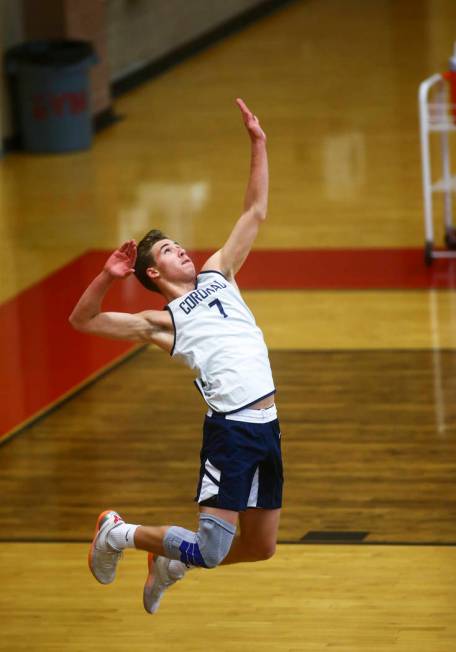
x=246 y=113
x=131 y=253
x=128 y=249
x=251 y=121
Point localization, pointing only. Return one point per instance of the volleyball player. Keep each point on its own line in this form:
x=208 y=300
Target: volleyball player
x=209 y=326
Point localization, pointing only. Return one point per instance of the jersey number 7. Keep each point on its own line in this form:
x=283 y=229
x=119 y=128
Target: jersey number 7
x=218 y=303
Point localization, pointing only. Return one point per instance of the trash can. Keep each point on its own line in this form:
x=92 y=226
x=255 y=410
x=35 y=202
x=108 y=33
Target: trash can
x=50 y=81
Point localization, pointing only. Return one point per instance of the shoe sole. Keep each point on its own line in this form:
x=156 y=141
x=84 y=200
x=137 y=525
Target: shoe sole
x=92 y=547
x=150 y=578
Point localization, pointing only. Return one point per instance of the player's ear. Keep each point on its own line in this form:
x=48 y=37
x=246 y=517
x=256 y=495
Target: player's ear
x=152 y=273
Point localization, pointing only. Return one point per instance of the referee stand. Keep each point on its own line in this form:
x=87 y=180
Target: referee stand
x=437 y=110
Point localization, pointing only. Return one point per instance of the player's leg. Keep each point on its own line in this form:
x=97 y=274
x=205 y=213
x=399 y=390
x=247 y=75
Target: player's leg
x=207 y=547
x=259 y=523
x=152 y=539
x=172 y=549
x=246 y=473
x=257 y=537
x=183 y=549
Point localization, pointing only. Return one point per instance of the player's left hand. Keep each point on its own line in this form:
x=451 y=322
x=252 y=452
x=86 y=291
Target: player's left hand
x=251 y=122
x=121 y=263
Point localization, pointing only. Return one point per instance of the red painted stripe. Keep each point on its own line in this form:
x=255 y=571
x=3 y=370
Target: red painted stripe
x=345 y=269
x=42 y=358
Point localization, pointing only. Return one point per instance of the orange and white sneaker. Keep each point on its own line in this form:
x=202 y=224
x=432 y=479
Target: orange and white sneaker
x=163 y=573
x=103 y=558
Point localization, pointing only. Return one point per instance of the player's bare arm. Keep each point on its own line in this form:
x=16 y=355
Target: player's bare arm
x=230 y=258
x=147 y=326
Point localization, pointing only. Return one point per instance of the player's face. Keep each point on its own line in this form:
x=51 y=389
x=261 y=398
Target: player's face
x=172 y=262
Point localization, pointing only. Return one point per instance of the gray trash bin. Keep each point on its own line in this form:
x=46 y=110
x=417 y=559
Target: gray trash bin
x=51 y=94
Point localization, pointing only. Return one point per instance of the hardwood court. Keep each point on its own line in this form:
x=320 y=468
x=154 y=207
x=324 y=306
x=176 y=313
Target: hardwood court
x=363 y=447
x=365 y=378
x=343 y=140
x=305 y=598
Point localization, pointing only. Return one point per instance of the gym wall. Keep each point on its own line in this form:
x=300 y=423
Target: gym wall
x=11 y=32
x=141 y=31
x=128 y=34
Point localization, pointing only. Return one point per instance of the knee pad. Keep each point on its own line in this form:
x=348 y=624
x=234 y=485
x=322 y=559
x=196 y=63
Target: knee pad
x=207 y=548
x=214 y=539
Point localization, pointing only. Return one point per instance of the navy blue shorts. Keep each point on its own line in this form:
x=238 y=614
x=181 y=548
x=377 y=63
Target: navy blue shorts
x=241 y=461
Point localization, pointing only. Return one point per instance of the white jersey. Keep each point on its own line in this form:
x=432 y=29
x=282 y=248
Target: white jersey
x=216 y=333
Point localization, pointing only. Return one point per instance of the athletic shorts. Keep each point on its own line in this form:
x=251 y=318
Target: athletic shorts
x=241 y=461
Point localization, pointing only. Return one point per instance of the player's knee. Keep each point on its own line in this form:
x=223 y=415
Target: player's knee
x=268 y=551
x=213 y=561
x=214 y=539
x=207 y=548
x=264 y=550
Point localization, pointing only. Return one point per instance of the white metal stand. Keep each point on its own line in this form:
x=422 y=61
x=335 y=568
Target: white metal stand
x=436 y=115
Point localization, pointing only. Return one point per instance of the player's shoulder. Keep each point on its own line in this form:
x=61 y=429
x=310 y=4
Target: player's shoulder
x=217 y=279
x=208 y=275
x=215 y=264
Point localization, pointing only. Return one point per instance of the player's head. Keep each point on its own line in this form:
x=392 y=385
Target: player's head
x=161 y=259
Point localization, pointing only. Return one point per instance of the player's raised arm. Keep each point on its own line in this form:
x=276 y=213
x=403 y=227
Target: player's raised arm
x=88 y=317
x=232 y=255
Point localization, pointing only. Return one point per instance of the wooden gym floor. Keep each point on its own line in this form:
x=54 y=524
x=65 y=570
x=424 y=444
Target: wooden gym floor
x=365 y=374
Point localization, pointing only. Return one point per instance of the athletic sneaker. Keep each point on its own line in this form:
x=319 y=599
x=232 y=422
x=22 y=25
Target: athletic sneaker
x=163 y=573
x=103 y=558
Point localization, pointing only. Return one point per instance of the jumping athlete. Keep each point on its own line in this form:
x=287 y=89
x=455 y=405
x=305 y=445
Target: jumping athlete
x=209 y=326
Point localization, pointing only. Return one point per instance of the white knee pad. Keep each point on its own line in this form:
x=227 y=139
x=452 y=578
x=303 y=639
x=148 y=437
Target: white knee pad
x=207 y=548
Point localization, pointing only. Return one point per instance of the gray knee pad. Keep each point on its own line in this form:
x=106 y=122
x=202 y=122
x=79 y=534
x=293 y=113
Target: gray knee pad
x=208 y=547
x=214 y=539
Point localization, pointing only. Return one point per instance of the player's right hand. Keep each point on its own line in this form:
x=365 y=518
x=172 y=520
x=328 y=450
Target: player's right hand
x=251 y=122
x=121 y=263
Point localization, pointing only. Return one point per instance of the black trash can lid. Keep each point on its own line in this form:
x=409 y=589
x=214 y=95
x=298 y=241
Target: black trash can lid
x=50 y=53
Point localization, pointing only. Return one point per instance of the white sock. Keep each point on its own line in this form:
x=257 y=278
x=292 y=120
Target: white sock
x=122 y=536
